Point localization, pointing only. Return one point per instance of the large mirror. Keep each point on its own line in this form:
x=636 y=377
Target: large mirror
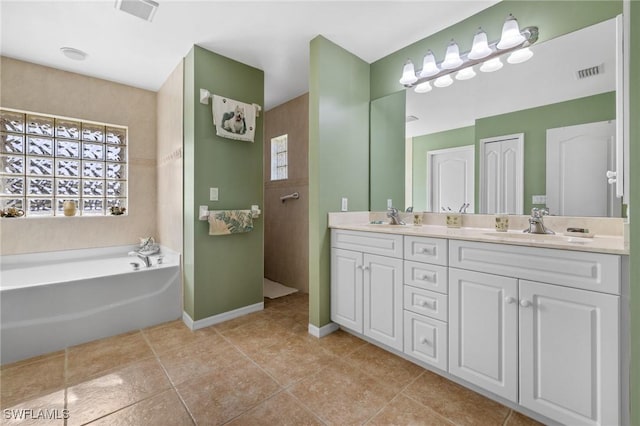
x=541 y=115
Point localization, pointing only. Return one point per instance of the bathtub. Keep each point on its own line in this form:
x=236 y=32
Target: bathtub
x=49 y=301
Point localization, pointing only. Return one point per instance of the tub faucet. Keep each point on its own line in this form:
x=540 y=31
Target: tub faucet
x=536 y=222
x=394 y=216
x=145 y=259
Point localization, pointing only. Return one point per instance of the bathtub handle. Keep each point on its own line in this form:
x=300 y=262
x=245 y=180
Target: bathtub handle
x=135 y=265
x=160 y=260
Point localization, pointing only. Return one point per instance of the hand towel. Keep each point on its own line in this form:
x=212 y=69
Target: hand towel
x=233 y=119
x=224 y=222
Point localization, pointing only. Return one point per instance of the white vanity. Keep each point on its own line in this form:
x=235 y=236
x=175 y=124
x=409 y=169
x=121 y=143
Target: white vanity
x=534 y=324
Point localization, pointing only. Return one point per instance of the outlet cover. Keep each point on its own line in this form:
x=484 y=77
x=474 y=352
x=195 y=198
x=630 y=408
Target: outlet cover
x=213 y=194
x=345 y=204
x=539 y=199
x=389 y=203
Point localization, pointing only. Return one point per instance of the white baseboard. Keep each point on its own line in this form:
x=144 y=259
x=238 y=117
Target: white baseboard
x=324 y=330
x=216 y=319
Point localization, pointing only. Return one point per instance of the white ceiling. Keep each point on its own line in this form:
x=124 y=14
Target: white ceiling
x=272 y=36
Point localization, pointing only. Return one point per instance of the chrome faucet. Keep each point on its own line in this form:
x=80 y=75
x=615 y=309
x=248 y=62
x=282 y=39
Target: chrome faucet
x=145 y=259
x=536 y=222
x=393 y=214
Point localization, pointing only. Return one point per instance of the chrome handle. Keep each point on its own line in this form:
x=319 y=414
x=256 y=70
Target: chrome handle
x=509 y=299
x=525 y=303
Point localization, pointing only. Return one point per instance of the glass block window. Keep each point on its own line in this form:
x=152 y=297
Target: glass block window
x=279 y=158
x=47 y=160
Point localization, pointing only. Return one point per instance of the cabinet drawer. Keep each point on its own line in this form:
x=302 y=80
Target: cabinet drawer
x=423 y=249
x=425 y=339
x=425 y=302
x=424 y=275
x=367 y=242
x=585 y=270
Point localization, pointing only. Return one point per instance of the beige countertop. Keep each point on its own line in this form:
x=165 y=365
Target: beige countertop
x=599 y=244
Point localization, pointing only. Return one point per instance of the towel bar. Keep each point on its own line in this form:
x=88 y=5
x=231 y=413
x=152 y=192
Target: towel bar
x=203 y=212
x=205 y=95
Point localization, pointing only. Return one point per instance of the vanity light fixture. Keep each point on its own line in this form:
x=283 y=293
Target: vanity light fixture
x=513 y=41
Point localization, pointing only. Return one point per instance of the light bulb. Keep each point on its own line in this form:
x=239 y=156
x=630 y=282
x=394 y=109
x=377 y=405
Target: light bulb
x=465 y=74
x=443 y=81
x=511 y=36
x=408 y=74
x=491 y=65
x=423 y=87
x=480 y=47
x=520 y=56
x=429 y=66
x=452 y=57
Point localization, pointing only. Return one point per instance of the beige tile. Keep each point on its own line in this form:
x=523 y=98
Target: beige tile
x=281 y=409
x=47 y=410
x=243 y=320
x=175 y=334
x=160 y=410
x=255 y=336
x=199 y=358
x=292 y=359
x=385 y=366
x=342 y=394
x=341 y=343
x=517 y=419
x=113 y=390
x=405 y=411
x=219 y=396
x=27 y=379
x=454 y=402
x=88 y=359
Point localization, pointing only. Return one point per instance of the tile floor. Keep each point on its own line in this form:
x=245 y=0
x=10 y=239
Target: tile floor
x=260 y=369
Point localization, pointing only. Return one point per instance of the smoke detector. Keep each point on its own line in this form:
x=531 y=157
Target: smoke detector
x=143 y=9
x=590 y=72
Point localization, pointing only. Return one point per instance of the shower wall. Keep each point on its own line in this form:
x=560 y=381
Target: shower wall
x=286 y=230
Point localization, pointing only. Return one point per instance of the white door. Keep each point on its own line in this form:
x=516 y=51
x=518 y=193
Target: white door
x=483 y=331
x=383 y=300
x=346 y=288
x=569 y=354
x=502 y=174
x=578 y=158
x=450 y=179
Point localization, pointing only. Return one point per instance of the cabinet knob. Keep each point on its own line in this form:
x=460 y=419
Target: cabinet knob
x=424 y=303
x=365 y=268
x=425 y=250
x=509 y=299
x=525 y=303
x=358 y=266
x=431 y=277
x=424 y=341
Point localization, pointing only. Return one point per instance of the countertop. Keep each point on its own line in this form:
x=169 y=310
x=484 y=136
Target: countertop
x=598 y=244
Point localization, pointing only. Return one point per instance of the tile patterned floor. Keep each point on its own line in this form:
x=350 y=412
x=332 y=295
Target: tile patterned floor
x=260 y=369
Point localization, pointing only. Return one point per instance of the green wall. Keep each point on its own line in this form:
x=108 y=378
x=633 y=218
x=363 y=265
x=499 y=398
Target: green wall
x=421 y=145
x=634 y=212
x=387 y=151
x=553 y=18
x=534 y=123
x=338 y=155
x=222 y=273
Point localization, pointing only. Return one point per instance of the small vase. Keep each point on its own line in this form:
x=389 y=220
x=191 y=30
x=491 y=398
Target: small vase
x=69 y=208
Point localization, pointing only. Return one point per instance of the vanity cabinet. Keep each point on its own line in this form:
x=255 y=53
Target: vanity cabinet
x=366 y=284
x=522 y=326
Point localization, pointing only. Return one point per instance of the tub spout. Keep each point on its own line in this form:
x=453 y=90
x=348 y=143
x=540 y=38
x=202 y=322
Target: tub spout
x=145 y=259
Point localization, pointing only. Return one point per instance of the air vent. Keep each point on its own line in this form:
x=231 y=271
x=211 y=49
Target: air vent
x=590 y=72
x=411 y=118
x=143 y=9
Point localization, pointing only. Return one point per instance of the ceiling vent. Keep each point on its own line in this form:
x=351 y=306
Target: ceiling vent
x=590 y=72
x=411 y=118
x=143 y=9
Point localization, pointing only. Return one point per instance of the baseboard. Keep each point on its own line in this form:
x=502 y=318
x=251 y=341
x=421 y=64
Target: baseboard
x=216 y=319
x=324 y=330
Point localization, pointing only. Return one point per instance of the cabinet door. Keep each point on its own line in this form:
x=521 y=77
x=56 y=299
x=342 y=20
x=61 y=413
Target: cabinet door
x=383 y=300
x=569 y=352
x=346 y=288
x=483 y=331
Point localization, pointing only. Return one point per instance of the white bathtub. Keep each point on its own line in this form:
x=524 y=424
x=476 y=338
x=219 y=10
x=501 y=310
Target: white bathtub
x=50 y=301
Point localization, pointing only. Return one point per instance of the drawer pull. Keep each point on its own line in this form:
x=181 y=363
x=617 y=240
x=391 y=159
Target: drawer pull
x=424 y=341
x=425 y=303
x=525 y=303
x=426 y=250
x=509 y=299
x=431 y=277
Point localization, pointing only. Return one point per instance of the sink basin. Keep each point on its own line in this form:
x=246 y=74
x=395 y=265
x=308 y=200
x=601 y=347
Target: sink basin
x=522 y=236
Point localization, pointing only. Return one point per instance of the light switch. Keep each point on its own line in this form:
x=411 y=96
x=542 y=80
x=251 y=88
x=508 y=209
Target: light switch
x=539 y=199
x=345 y=204
x=389 y=203
x=213 y=194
